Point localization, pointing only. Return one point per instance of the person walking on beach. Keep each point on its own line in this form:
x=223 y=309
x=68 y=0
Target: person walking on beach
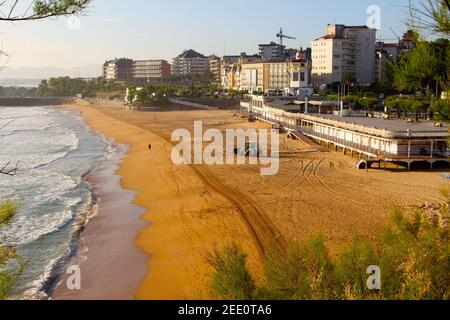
x=150 y=147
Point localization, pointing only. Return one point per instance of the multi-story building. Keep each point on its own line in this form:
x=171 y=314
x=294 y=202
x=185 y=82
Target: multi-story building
x=299 y=74
x=231 y=78
x=265 y=76
x=231 y=69
x=230 y=72
x=189 y=63
x=151 y=70
x=384 y=52
x=269 y=76
x=118 y=69
x=271 y=50
x=215 y=68
x=344 y=54
x=252 y=76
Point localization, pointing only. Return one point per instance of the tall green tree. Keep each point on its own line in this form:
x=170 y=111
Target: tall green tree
x=420 y=70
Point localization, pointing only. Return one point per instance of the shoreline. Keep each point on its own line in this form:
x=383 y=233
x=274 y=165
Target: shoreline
x=97 y=252
x=190 y=210
x=184 y=218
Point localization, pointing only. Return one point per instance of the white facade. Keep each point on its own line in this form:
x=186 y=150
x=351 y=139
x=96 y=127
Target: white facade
x=344 y=54
x=327 y=61
x=376 y=138
x=109 y=70
x=299 y=78
x=215 y=68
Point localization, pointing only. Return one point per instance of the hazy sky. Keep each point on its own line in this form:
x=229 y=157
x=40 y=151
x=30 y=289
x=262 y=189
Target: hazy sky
x=163 y=29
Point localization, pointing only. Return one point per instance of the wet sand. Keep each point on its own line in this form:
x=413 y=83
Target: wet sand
x=112 y=266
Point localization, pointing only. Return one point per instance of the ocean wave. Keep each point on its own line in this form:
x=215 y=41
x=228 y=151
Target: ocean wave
x=48 y=202
x=110 y=148
x=30 y=122
x=28 y=229
x=37 y=290
x=23 y=112
x=56 y=202
x=34 y=152
x=41 y=287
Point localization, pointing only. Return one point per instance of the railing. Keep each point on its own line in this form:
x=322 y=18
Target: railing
x=372 y=131
x=360 y=147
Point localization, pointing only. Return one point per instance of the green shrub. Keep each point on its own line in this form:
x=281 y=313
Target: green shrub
x=232 y=279
x=8 y=209
x=302 y=272
x=412 y=253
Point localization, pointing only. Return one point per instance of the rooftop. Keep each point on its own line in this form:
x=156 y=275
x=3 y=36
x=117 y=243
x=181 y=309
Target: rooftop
x=268 y=44
x=328 y=37
x=399 y=126
x=273 y=60
x=191 y=54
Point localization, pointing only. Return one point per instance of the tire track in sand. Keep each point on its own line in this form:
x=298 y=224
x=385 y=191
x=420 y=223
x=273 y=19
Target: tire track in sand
x=300 y=173
x=262 y=230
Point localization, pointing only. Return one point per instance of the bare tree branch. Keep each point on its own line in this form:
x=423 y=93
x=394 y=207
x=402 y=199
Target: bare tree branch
x=7 y=124
x=5 y=170
x=10 y=171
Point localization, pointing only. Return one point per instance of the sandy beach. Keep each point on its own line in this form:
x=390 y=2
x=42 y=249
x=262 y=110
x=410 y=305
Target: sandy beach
x=186 y=218
x=107 y=242
x=187 y=210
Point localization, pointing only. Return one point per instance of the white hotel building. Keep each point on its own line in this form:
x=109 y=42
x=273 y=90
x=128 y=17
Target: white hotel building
x=344 y=53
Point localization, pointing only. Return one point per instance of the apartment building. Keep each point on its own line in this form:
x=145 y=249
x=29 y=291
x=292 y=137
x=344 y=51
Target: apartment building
x=151 y=70
x=271 y=50
x=252 y=76
x=344 y=54
x=265 y=76
x=231 y=67
x=215 y=68
x=118 y=69
x=189 y=63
